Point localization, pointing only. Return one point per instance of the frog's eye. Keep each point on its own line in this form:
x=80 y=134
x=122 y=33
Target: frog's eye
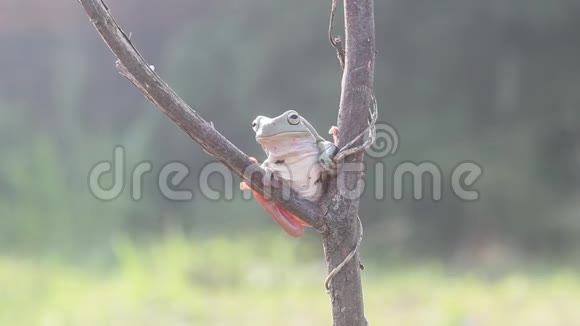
x=293 y=118
x=254 y=124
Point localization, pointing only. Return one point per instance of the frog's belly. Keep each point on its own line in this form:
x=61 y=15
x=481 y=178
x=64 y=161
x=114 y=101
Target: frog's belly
x=303 y=175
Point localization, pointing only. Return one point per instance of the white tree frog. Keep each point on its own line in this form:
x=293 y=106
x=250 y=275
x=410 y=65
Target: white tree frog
x=297 y=154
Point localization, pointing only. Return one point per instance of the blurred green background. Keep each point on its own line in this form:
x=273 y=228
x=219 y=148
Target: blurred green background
x=494 y=82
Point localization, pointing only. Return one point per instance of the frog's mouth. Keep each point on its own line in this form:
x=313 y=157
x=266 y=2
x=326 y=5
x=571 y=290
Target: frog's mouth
x=280 y=136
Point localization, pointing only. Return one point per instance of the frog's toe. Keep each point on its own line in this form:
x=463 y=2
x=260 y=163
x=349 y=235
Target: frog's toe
x=327 y=163
x=244 y=186
x=334 y=132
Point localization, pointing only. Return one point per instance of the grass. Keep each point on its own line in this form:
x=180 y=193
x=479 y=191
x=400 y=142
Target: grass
x=265 y=281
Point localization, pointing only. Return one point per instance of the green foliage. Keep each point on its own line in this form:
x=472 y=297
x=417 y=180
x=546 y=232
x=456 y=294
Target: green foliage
x=242 y=281
x=492 y=82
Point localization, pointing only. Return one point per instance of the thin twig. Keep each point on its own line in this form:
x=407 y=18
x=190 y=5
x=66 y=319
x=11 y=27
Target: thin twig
x=349 y=148
x=336 y=42
x=348 y=258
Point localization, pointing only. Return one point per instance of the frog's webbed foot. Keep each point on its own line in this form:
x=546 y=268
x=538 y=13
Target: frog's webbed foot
x=326 y=157
x=327 y=152
x=287 y=221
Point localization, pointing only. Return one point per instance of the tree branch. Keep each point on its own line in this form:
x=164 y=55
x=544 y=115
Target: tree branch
x=356 y=98
x=337 y=222
x=132 y=65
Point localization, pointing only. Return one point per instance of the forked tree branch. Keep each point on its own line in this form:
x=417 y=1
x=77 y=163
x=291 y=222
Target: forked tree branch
x=132 y=65
x=337 y=222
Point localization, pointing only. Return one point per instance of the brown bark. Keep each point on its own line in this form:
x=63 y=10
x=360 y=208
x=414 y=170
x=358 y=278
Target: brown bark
x=338 y=221
x=356 y=96
x=132 y=65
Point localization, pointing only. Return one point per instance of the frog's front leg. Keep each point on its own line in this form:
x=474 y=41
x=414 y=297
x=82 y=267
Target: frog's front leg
x=287 y=221
x=327 y=152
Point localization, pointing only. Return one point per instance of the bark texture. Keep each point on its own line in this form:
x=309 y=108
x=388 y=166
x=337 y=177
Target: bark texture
x=336 y=220
x=356 y=96
x=132 y=65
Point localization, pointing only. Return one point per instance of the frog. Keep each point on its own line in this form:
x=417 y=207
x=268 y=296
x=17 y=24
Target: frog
x=298 y=155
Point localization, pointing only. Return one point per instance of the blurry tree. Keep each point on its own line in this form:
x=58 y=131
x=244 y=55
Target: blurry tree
x=496 y=82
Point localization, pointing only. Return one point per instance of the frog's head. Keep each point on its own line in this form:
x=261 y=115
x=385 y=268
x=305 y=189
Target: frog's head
x=287 y=125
